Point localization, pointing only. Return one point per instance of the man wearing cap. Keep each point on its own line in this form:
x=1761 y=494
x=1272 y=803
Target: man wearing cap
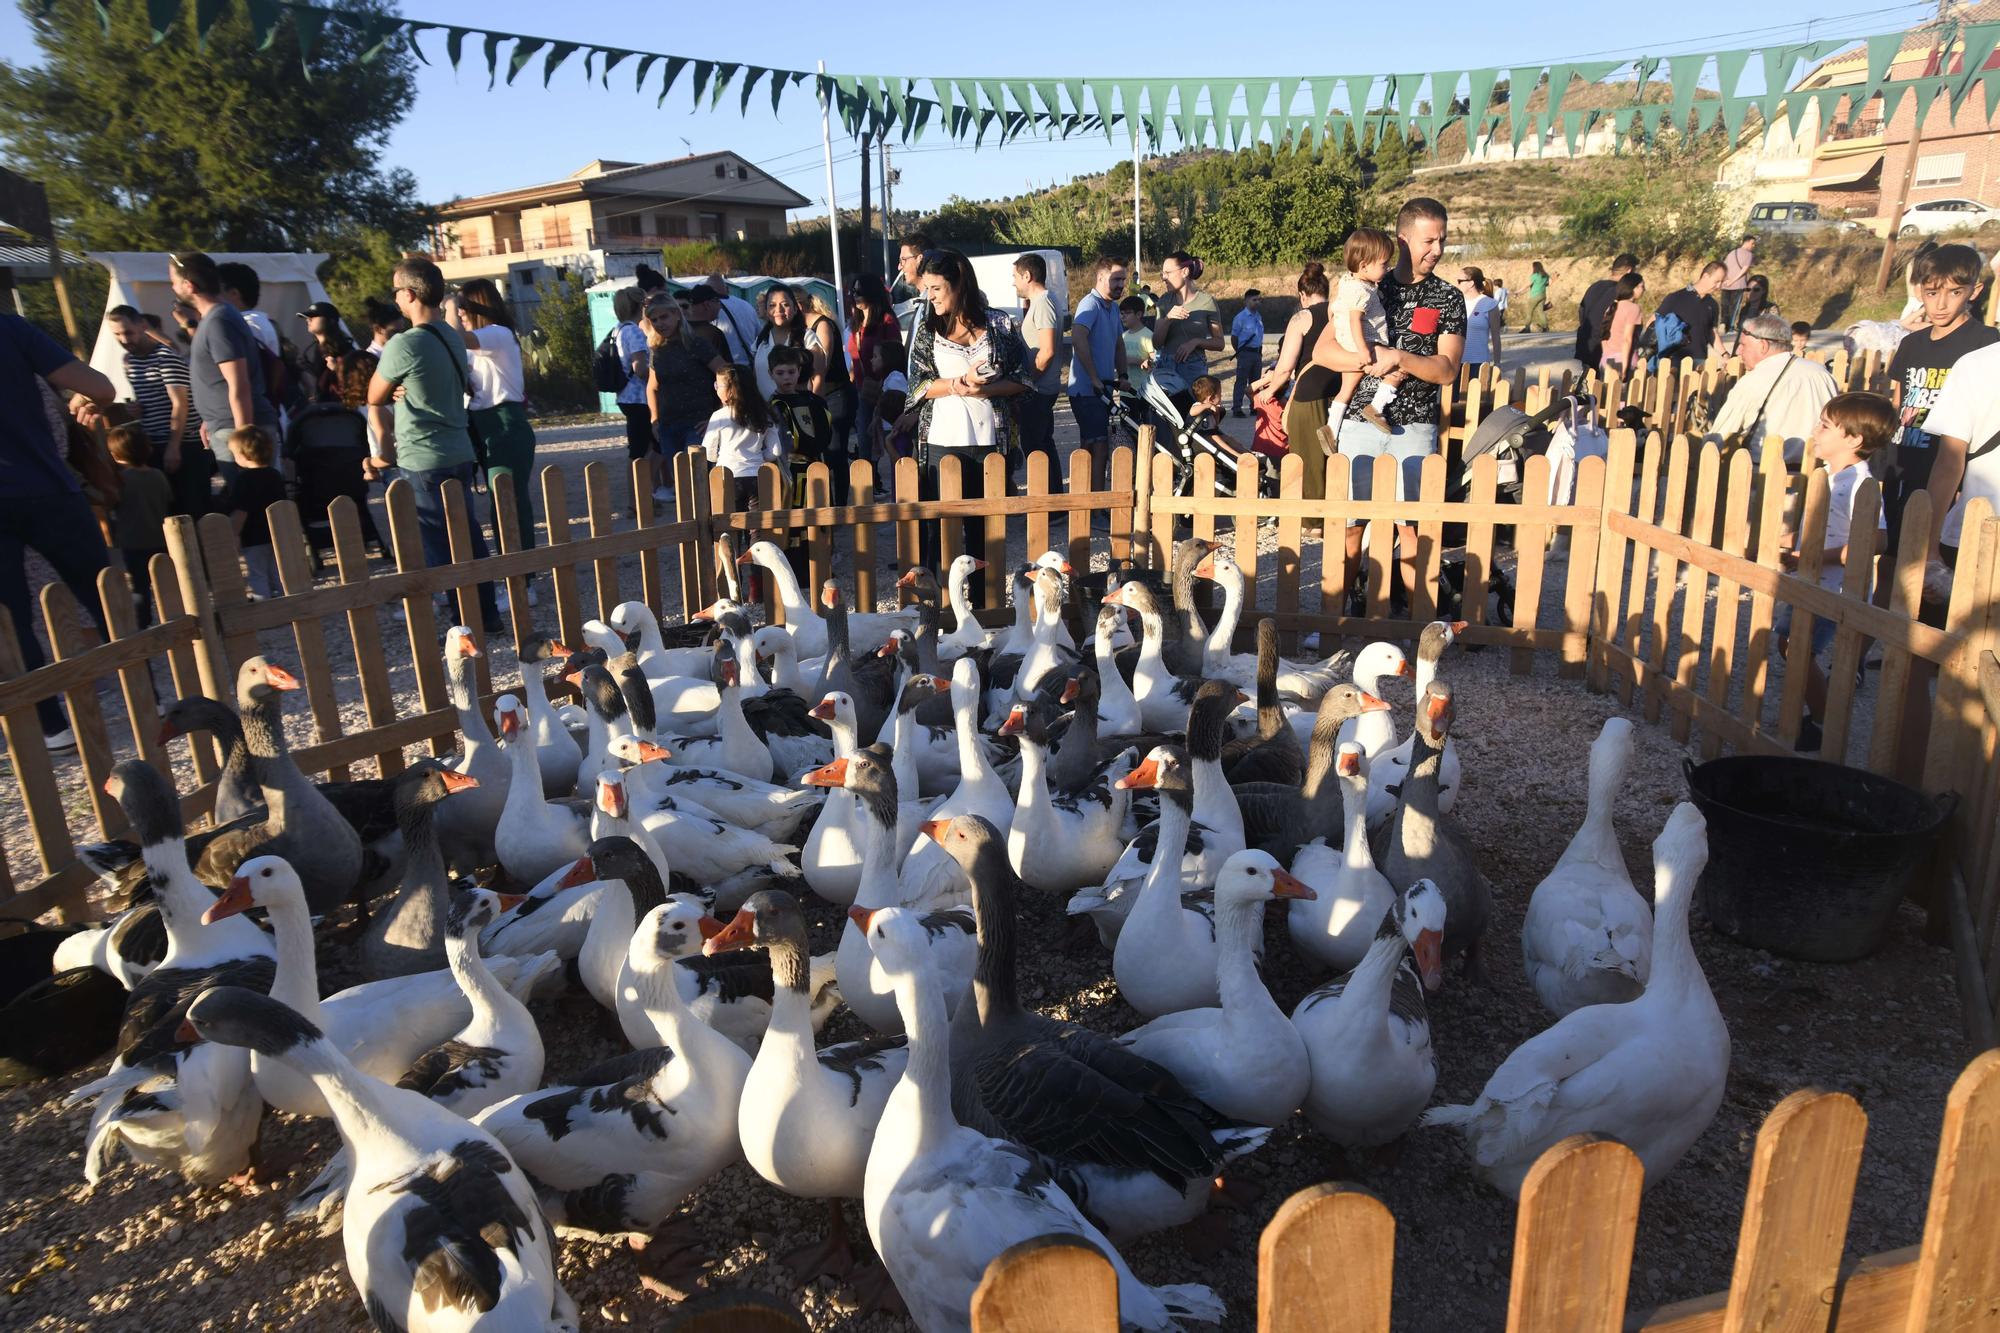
x=735 y=319
x=1780 y=393
x=703 y=304
x=329 y=342
x=223 y=361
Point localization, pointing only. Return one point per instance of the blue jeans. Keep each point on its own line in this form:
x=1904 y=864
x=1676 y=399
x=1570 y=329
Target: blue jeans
x=61 y=527
x=429 y=487
x=1093 y=418
x=1249 y=365
x=674 y=436
x=1361 y=442
x=1822 y=631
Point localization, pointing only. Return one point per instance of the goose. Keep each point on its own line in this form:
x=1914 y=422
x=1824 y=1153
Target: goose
x=735 y=748
x=831 y=858
x=193 y=1110
x=614 y=817
x=499 y=1051
x=1165 y=956
x=1185 y=634
x=1242 y=1057
x=942 y=1200
x=1389 y=768
x=628 y=886
x=1062 y=842
x=1118 y=712
x=557 y=754
x=1119 y=1132
x=55 y=1019
x=1377 y=662
x=639 y=629
x=807 y=1116
x=442 y=1229
x=1046 y=653
x=126 y=950
x=1367 y=1035
x=1279 y=816
x=236 y=791
x=928 y=757
x=466 y=828
x=774 y=644
x=1273 y=753
x=1019 y=636
x=701 y=844
x=781 y=718
x=1305 y=681
x=759 y=807
x=840 y=673
x=619 y=1149
x=967 y=635
x=408 y=935
x=607 y=717
x=867 y=990
x=1336 y=927
x=1078 y=757
x=1215 y=834
x=1421 y=843
x=536 y=837
x=866 y=630
x=1588 y=936
x=1649 y=1072
x=682 y=704
x=1163 y=696
x=980 y=790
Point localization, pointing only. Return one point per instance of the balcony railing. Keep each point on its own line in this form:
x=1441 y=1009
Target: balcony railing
x=562 y=241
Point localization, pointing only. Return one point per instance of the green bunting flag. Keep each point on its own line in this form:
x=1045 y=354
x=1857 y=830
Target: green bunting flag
x=558 y=53
x=1881 y=59
x=524 y=51
x=1685 y=72
x=491 y=46
x=1979 y=39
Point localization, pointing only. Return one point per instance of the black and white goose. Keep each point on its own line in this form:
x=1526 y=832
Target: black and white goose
x=499 y=1052
x=442 y=1230
x=408 y=934
x=1060 y=841
x=1280 y=817
x=1164 y=696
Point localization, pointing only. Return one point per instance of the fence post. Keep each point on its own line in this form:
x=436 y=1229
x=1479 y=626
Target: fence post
x=507 y=533
x=1573 y=1239
x=419 y=619
x=1795 y=1214
x=1320 y=1231
x=135 y=681
x=1291 y=539
x=1051 y=1284
x=1146 y=553
x=295 y=575
x=861 y=491
x=378 y=696
x=603 y=515
x=1531 y=549
x=34 y=772
x=1957 y=1284
x=556 y=520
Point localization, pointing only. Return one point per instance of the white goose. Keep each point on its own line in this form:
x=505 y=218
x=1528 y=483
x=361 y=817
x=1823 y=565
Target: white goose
x=607 y=718
x=1243 y=1058
x=1164 y=959
x=1062 y=842
x=980 y=790
x=866 y=629
x=1336 y=928
x=499 y=1051
x=1117 y=710
x=1367 y=1035
x=1046 y=653
x=942 y=1200
x=442 y=1229
x=968 y=635
x=736 y=746
x=760 y=807
x=1163 y=697
x=639 y=629
x=1388 y=769
x=1648 y=1072
x=619 y=1148
x=831 y=859
x=1306 y=681
x=1588 y=936
x=864 y=986
x=466 y=825
x=535 y=837
x=556 y=751
x=1373 y=732
x=807 y=1116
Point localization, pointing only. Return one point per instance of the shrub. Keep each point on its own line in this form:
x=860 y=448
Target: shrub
x=1303 y=214
x=556 y=354
x=1642 y=202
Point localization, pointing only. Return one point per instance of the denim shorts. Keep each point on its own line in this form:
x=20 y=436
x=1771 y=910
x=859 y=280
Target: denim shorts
x=1093 y=417
x=674 y=436
x=1822 y=635
x=1361 y=442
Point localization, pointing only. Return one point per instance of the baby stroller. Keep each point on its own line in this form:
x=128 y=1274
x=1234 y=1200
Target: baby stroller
x=326 y=445
x=1244 y=472
x=1512 y=437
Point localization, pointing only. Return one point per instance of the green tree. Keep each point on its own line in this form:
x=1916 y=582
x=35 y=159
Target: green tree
x=145 y=147
x=1303 y=212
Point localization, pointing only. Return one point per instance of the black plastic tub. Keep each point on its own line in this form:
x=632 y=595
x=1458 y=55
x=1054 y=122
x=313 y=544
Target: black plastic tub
x=1806 y=858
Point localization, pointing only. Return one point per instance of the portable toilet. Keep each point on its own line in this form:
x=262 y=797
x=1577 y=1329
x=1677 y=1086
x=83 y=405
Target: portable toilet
x=603 y=319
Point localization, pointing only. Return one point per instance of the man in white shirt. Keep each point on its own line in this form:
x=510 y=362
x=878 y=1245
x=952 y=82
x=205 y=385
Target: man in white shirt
x=1964 y=426
x=737 y=319
x=1780 y=394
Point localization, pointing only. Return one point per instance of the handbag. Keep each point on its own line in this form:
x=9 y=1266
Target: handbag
x=1738 y=439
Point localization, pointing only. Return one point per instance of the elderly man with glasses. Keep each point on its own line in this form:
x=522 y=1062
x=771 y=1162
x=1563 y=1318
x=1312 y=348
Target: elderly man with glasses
x=1781 y=393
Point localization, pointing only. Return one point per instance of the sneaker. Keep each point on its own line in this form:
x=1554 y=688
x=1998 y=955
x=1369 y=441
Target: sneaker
x=1810 y=739
x=1236 y=412
x=60 y=742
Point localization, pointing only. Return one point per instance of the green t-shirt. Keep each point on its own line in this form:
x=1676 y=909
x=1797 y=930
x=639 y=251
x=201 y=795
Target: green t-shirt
x=1203 y=321
x=1538 y=286
x=430 y=416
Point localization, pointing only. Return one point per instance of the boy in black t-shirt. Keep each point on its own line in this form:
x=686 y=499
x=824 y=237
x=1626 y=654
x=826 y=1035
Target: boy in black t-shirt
x=256 y=486
x=1948 y=281
x=804 y=417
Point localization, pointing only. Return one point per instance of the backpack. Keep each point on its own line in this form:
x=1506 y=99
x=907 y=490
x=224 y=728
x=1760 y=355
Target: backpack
x=608 y=370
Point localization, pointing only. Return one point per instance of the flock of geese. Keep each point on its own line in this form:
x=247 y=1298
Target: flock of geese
x=655 y=846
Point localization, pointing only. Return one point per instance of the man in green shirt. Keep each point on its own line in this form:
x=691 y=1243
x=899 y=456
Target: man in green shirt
x=422 y=431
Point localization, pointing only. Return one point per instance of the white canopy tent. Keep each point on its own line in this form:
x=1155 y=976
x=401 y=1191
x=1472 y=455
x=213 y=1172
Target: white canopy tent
x=290 y=283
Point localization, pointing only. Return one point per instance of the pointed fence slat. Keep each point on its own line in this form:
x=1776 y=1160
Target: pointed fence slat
x=1291 y=486
x=1905 y=597
x=378 y=696
x=861 y=485
x=418 y=618
x=556 y=521
x=63 y=618
x=1573 y=1239
x=295 y=575
x=135 y=679
x=34 y=772
x=1728 y=598
x=1687 y=650
x=1956 y=1286
x=1666 y=578
x=1531 y=541
x=1335 y=1228
x=1795 y=1215
x=1054 y=1284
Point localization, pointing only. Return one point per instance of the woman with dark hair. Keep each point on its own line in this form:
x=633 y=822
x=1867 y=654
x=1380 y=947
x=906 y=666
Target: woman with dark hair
x=1538 y=298
x=1190 y=329
x=831 y=380
x=784 y=326
x=1756 y=301
x=1312 y=385
x=964 y=359
x=1619 y=328
x=497 y=415
x=871 y=318
x=327 y=442
x=1482 y=318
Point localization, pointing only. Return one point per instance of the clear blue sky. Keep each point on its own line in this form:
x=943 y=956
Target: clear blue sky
x=460 y=138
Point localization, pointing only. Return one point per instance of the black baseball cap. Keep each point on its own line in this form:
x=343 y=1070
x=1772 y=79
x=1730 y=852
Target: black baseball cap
x=697 y=295
x=319 y=310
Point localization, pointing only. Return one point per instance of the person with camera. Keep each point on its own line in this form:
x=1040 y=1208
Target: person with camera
x=964 y=360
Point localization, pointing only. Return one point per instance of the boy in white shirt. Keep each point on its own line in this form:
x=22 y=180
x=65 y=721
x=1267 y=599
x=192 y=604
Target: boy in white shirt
x=1852 y=428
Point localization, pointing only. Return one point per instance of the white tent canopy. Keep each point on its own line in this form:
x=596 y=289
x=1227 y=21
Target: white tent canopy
x=290 y=283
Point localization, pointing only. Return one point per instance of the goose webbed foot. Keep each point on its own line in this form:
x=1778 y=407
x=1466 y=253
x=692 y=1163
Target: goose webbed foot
x=875 y=1290
x=830 y=1256
x=670 y=1260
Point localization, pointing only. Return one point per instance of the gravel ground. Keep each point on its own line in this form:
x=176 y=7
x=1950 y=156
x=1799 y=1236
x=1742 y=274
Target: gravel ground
x=143 y=1250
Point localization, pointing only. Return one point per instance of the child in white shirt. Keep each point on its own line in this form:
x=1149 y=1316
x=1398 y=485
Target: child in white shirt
x=742 y=435
x=1852 y=427
x=1361 y=324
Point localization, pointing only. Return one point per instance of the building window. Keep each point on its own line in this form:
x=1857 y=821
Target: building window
x=711 y=226
x=674 y=224
x=1940 y=169
x=756 y=227
x=721 y=170
x=555 y=235
x=625 y=224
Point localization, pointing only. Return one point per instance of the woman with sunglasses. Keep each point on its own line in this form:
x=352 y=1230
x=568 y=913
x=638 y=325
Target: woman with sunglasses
x=680 y=386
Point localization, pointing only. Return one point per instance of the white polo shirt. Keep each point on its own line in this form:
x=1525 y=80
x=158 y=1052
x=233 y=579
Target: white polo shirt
x=1968 y=408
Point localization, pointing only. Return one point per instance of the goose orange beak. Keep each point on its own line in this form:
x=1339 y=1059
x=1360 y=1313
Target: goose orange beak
x=1437 y=708
x=934 y=829
x=1147 y=774
x=706 y=613
x=828 y=775
x=649 y=752
x=574 y=679
x=1290 y=886
x=738 y=934
x=580 y=873
x=1460 y=626
x=234 y=899
x=909 y=579
x=185 y=1034
x=861 y=916
x=725 y=672
x=1116 y=597
x=280 y=678
x=1071 y=688
x=1371 y=704
x=509 y=901
x=1065 y=567
x=560 y=650
x=709 y=928
x=977 y=563
x=466 y=647
x=1349 y=765
x=824 y=709
x=1429 y=949
x=611 y=798
x=1402 y=668
x=454 y=781
x=1016 y=723
x=1206 y=568
x=510 y=725
x=888 y=649
x=1242 y=698
x=746 y=558
x=168 y=730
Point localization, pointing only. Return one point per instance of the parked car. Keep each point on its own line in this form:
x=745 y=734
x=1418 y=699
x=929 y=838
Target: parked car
x=1792 y=218
x=1937 y=215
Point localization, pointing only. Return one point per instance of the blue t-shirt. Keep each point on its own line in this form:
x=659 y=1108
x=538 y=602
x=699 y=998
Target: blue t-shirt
x=1100 y=317
x=31 y=460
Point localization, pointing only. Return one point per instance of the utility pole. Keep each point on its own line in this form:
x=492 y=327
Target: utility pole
x=861 y=250
x=832 y=203
x=1940 y=51
x=1138 y=149
x=888 y=217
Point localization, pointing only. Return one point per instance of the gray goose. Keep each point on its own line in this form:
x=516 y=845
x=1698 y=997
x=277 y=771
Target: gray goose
x=1273 y=755
x=1420 y=843
x=1279 y=817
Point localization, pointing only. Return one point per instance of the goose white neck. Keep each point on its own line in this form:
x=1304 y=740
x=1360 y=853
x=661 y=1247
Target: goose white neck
x=846 y=734
x=1426 y=672
x=361 y=1106
x=1239 y=925
x=961 y=602
x=534 y=690
x=1354 y=816
x=182 y=897
x=785 y=673
x=1675 y=971
x=1223 y=636
x=296 y=981
x=971 y=754
x=730 y=724
x=1163 y=879
x=471 y=722
x=480 y=987
x=920 y=1000
x=1596 y=838
x=790 y=595
x=879 y=886
x=1374 y=977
